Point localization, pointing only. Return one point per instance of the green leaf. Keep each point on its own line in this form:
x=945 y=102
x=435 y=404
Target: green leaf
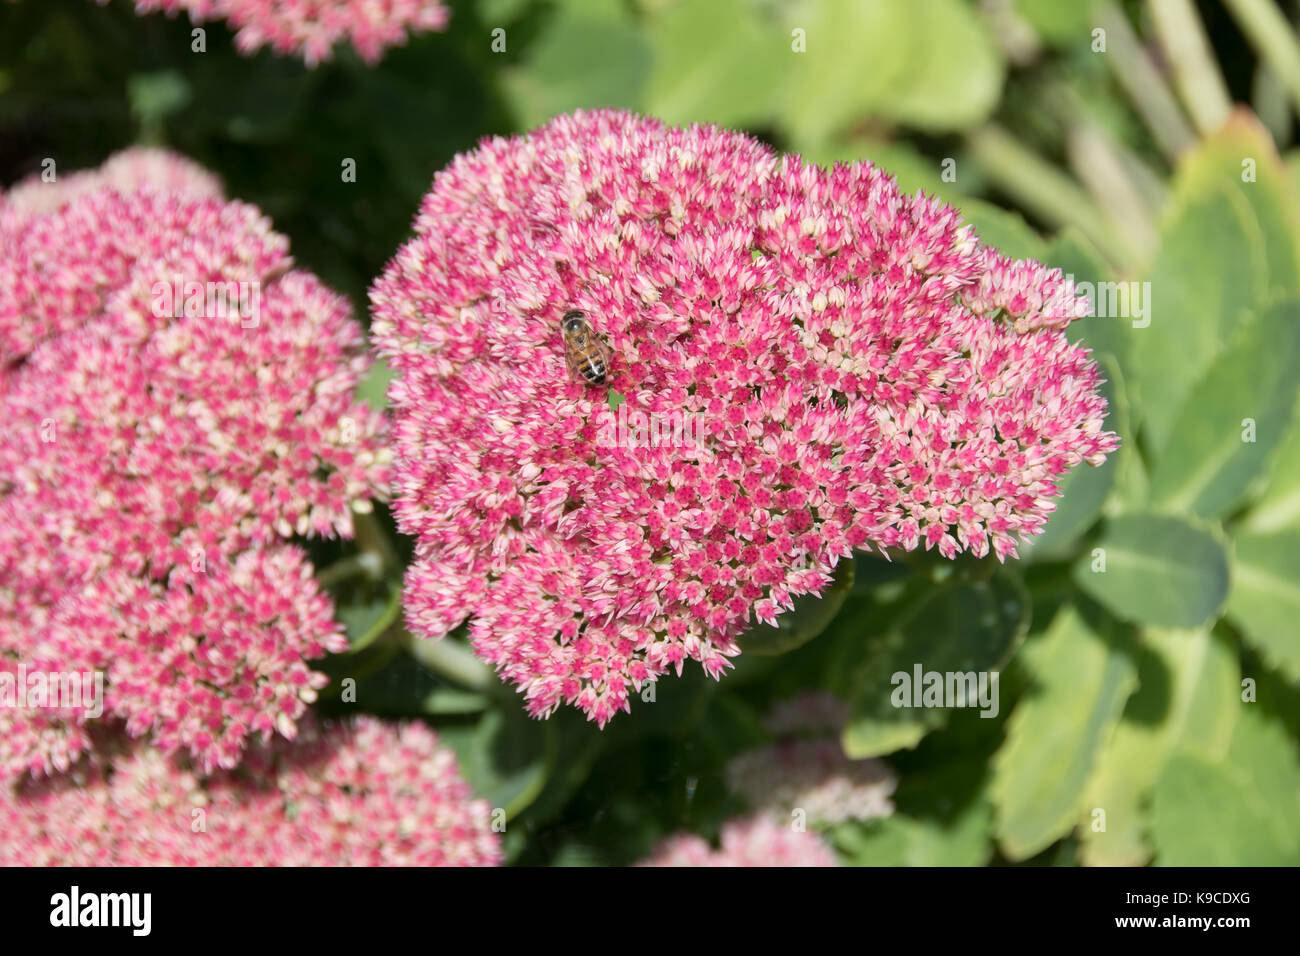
x=1208 y=276
x=1278 y=505
x=734 y=83
x=1221 y=160
x=1188 y=700
x=374 y=387
x=1158 y=570
x=1004 y=230
x=1085 y=488
x=902 y=840
x=1211 y=458
x=809 y=617
x=583 y=59
x=1102 y=331
x=1081 y=679
x=912 y=170
x=154 y=96
x=942 y=818
x=506 y=758
x=960 y=627
x=955 y=68
x=367 y=615
x=1061 y=24
x=1265 y=599
x=1242 y=811
x=856 y=59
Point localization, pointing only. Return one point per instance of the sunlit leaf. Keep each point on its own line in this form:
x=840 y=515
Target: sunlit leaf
x=1081 y=680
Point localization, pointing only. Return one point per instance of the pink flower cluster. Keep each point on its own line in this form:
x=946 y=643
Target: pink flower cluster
x=160 y=449
x=806 y=771
x=754 y=841
x=867 y=373
x=311 y=28
x=369 y=794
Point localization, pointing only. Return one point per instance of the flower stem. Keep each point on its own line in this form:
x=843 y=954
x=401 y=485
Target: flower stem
x=373 y=539
x=1196 y=74
x=1273 y=38
x=1137 y=74
x=354 y=565
x=451 y=659
x=1046 y=191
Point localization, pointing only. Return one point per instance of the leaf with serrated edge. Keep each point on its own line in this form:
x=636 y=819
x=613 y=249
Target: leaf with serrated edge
x=1243 y=810
x=1207 y=467
x=1265 y=599
x=1160 y=571
x=1080 y=684
x=1189 y=699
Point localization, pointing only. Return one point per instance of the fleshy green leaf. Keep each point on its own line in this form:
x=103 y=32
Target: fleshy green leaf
x=584 y=58
x=1062 y=24
x=1208 y=276
x=1241 y=811
x=738 y=79
x=1102 y=331
x=1085 y=488
x=955 y=69
x=961 y=627
x=1278 y=505
x=809 y=617
x=1081 y=679
x=1006 y=231
x=505 y=757
x=366 y=616
x=1233 y=419
x=902 y=840
x=856 y=58
x=374 y=387
x=1265 y=599
x=1188 y=700
x=1159 y=570
x=1241 y=155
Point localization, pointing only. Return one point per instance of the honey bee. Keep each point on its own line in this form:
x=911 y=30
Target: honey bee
x=585 y=351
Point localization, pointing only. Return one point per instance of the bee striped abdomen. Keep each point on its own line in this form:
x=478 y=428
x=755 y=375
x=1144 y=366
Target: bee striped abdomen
x=585 y=352
x=593 y=370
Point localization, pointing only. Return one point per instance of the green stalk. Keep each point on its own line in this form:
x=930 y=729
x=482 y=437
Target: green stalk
x=1273 y=38
x=1048 y=192
x=354 y=565
x=1196 y=73
x=449 y=658
x=1142 y=82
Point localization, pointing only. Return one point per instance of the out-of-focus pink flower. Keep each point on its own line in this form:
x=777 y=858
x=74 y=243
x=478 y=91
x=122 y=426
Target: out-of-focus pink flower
x=814 y=778
x=178 y=402
x=139 y=166
x=368 y=794
x=814 y=713
x=807 y=773
x=857 y=372
x=756 y=841
x=311 y=28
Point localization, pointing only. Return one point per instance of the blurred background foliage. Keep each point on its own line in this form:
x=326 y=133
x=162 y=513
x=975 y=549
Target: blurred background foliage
x=1121 y=141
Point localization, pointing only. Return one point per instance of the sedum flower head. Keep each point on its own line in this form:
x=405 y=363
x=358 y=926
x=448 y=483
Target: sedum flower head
x=753 y=841
x=312 y=28
x=362 y=794
x=856 y=368
x=159 y=452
